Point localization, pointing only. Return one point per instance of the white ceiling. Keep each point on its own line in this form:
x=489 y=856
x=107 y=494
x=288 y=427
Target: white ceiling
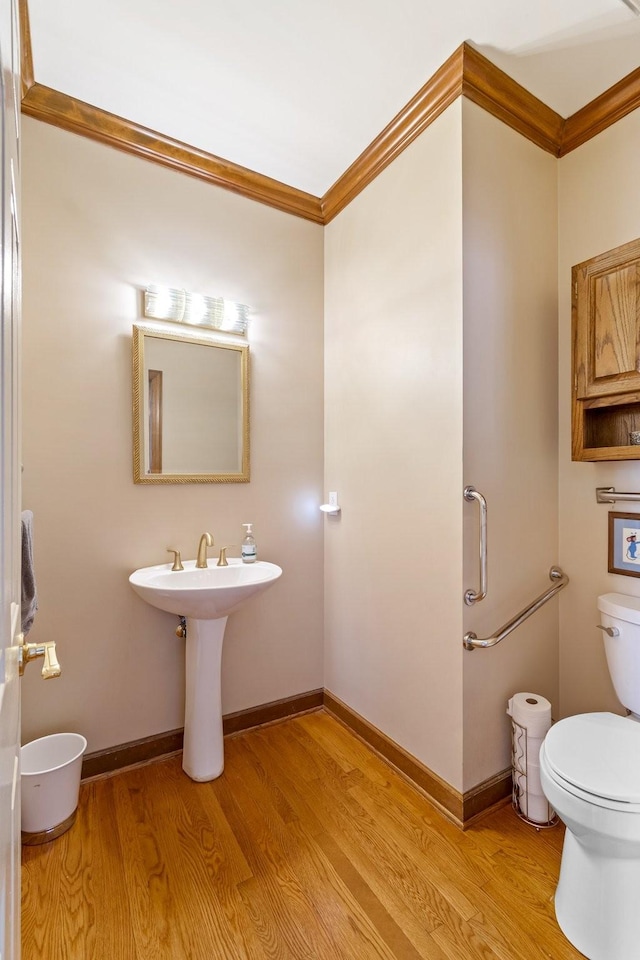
x=296 y=89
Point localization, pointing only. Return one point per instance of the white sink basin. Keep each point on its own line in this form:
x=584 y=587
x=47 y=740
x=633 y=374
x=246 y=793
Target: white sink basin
x=203 y=594
x=206 y=598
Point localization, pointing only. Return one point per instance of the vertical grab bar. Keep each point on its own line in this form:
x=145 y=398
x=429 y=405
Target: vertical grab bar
x=471 y=596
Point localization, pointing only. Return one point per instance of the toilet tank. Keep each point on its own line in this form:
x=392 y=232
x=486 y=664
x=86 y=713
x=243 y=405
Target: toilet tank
x=622 y=613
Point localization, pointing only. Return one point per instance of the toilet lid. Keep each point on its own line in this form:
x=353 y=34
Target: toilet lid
x=599 y=753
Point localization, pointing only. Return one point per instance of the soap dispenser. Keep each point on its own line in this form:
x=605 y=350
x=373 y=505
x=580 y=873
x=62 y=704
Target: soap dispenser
x=249 y=552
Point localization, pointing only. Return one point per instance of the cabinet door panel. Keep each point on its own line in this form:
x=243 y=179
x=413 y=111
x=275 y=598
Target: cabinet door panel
x=615 y=307
x=606 y=293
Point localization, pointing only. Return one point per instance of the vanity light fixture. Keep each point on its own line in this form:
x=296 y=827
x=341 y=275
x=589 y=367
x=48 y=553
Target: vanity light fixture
x=180 y=306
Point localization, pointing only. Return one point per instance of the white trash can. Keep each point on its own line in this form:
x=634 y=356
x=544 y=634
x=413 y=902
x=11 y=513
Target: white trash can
x=50 y=784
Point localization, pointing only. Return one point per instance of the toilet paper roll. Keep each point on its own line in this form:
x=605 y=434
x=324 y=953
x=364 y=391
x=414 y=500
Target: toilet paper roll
x=532 y=713
x=531 y=799
x=537 y=809
x=534 y=784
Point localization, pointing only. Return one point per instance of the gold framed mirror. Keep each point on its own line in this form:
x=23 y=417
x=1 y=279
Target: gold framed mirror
x=190 y=409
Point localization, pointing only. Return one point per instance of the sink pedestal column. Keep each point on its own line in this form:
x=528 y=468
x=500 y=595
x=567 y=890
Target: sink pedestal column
x=203 y=752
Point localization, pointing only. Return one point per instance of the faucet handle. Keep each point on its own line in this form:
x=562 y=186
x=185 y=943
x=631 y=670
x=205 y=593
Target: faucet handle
x=222 y=559
x=177 y=560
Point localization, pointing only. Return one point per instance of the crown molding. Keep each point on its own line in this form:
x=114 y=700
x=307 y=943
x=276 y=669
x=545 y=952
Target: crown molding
x=466 y=73
x=504 y=98
x=51 y=106
x=612 y=105
x=432 y=99
x=26 y=53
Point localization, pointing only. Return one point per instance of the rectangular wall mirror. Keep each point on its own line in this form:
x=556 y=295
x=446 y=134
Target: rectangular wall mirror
x=190 y=409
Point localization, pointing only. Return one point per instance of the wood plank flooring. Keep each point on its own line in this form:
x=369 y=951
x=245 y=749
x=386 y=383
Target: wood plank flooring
x=309 y=847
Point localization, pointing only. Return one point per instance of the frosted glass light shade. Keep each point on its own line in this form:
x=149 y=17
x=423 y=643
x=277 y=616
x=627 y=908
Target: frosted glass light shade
x=180 y=306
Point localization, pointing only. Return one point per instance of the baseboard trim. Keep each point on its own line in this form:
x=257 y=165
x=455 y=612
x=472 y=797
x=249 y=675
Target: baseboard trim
x=444 y=796
x=486 y=797
x=461 y=808
x=129 y=754
x=164 y=744
x=271 y=712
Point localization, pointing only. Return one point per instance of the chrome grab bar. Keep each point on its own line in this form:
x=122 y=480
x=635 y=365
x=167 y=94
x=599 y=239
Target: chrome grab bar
x=471 y=596
x=470 y=640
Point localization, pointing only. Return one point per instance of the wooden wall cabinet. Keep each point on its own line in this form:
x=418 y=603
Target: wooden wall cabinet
x=606 y=355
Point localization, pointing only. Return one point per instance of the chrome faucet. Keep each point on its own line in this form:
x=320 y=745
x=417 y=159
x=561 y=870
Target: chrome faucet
x=206 y=540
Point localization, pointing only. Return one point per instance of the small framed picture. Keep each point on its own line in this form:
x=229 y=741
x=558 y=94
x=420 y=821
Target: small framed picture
x=624 y=544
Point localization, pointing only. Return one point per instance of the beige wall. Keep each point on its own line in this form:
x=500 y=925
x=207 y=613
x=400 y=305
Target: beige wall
x=393 y=450
x=599 y=208
x=399 y=416
x=97 y=227
x=510 y=424
x=468 y=210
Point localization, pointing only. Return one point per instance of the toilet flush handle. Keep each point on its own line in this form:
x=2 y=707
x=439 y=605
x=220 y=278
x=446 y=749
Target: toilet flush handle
x=610 y=631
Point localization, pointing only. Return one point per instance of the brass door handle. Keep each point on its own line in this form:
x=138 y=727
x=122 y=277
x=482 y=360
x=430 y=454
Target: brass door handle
x=31 y=651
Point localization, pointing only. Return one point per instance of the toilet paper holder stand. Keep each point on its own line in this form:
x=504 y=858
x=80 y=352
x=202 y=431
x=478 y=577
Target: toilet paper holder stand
x=519 y=795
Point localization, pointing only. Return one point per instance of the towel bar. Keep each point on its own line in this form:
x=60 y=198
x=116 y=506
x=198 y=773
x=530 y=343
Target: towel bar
x=609 y=495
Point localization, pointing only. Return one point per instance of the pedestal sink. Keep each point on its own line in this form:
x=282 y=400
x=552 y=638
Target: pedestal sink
x=205 y=597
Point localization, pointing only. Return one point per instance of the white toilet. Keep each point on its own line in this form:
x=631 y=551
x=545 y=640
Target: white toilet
x=590 y=774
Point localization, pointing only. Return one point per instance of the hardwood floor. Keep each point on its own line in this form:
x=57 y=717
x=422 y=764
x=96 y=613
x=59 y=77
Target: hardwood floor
x=309 y=846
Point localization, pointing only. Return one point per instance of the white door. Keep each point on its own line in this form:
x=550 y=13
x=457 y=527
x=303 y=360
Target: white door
x=9 y=483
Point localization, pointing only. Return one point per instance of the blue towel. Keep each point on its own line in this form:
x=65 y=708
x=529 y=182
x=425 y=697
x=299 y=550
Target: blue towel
x=29 y=597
